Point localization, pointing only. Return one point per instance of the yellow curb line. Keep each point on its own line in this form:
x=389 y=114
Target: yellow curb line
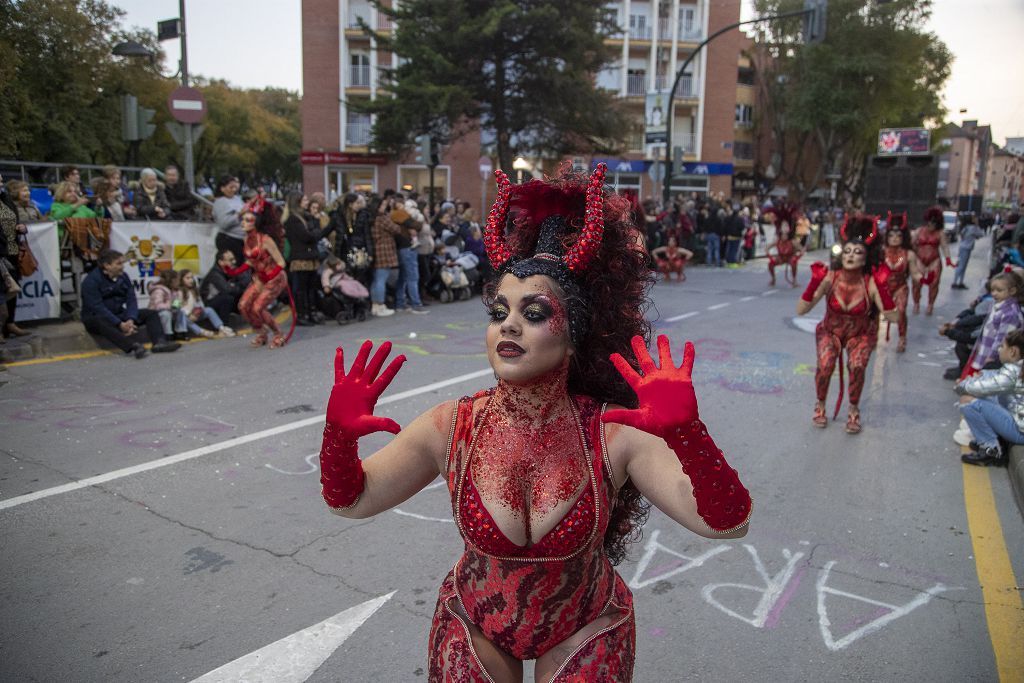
x=1003 y=609
x=280 y=318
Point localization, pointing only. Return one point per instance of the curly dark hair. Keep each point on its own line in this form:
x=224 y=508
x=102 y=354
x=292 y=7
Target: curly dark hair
x=857 y=228
x=616 y=296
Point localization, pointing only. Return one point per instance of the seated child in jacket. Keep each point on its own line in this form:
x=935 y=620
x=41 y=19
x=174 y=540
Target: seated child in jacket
x=992 y=403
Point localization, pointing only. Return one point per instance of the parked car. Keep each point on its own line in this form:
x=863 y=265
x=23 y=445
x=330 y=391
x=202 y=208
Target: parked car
x=950 y=223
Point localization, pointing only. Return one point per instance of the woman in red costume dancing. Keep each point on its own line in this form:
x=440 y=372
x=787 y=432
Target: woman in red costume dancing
x=899 y=262
x=787 y=245
x=269 y=280
x=929 y=240
x=547 y=471
x=672 y=258
x=850 y=321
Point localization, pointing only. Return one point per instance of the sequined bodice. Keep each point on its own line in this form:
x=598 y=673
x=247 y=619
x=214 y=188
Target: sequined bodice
x=927 y=245
x=899 y=267
x=844 y=293
x=257 y=253
x=786 y=248
x=578 y=526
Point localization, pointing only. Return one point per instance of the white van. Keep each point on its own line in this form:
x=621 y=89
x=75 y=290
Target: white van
x=949 y=225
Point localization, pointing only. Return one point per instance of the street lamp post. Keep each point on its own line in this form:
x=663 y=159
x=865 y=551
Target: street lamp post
x=189 y=161
x=519 y=165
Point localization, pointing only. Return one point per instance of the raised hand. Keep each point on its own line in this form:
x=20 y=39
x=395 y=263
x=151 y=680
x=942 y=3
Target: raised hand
x=666 y=397
x=350 y=416
x=354 y=396
x=819 y=270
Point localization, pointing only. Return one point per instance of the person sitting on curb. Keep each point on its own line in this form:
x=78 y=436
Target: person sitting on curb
x=110 y=310
x=992 y=403
x=221 y=291
x=163 y=299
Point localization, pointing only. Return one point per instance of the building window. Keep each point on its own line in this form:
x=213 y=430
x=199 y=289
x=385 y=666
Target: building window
x=357 y=129
x=745 y=76
x=744 y=115
x=743 y=150
x=638 y=29
x=359 y=71
x=636 y=82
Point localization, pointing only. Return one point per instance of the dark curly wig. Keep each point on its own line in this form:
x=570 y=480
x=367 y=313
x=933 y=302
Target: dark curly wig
x=614 y=299
x=861 y=228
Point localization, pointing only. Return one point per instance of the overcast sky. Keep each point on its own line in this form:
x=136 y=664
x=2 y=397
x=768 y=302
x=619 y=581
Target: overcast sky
x=258 y=43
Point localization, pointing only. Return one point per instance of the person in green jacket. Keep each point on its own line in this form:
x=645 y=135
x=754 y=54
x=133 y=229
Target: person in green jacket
x=68 y=203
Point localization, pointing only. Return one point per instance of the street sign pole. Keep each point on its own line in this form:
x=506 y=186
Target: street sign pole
x=190 y=171
x=819 y=6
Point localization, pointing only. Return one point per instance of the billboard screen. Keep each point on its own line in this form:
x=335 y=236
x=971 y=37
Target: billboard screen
x=904 y=141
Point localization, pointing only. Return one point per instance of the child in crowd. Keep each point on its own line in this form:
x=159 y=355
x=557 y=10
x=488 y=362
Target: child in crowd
x=1005 y=316
x=965 y=330
x=992 y=403
x=193 y=310
x=333 y=278
x=164 y=299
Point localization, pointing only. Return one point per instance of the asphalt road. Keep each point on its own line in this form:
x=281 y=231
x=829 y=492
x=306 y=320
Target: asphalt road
x=858 y=564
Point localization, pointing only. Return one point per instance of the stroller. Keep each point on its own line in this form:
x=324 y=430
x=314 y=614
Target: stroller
x=450 y=280
x=349 y=299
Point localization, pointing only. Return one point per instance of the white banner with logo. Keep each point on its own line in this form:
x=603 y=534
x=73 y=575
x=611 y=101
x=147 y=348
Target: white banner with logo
x=40 y=292
x=152 y=246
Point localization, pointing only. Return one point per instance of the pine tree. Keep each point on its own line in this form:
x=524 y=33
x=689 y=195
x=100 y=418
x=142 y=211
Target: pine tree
x=523 y=71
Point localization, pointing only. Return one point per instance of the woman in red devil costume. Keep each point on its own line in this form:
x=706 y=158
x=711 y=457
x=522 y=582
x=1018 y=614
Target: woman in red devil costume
x=929 y=240
x=787 y=245
x=852 y=297
x=263 y=236
x=899 y=261
x=548 y=470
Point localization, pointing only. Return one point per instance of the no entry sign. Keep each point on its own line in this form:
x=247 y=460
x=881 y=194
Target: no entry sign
x=187 y=105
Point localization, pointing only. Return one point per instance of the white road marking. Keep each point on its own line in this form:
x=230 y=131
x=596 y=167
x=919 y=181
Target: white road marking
x=769 y=292
x=684 y=316
x=806 y=324
x=748 y=298
x=223 y=445
x=399 y=511
x=717 y=306
x=295 y=658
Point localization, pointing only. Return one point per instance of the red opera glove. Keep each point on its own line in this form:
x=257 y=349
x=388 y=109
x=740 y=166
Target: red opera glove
x=881 y=276
x=237 y=270
x=949 y=262
x=268 y=275
x=818 y=273
x=668 y=408
x=350 y=416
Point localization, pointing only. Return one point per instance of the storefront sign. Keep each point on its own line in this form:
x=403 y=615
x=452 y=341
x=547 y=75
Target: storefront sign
x=310 y=158
x=641 y=165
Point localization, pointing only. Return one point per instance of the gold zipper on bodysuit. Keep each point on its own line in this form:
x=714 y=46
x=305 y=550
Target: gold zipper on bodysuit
x=593 y=484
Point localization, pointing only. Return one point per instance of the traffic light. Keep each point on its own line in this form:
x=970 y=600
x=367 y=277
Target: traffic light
x=815 y=21
x=129 y=118
x=146 y=125
x=424 y=149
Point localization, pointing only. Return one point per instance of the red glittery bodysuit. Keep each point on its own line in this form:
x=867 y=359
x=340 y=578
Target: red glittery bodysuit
x=526 y=599
x=788 y=256
x=254 y=302
x=897 y=259
x=848 y=324
x=927 y=243
x=672 y=262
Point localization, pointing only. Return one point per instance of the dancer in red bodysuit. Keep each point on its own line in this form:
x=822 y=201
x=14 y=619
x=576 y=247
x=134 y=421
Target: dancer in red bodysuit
x=929 y=240
x=849 y=323
x=269 y=281
x=672 y=259
x=897 y=261
x=787 y=245
x=548 y=472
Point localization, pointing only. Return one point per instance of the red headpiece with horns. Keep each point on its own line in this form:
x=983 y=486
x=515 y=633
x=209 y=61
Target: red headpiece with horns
x=859 y=227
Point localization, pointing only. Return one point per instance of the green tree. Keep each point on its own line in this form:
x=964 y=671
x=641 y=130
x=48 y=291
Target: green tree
x=520 y=70
x=61 y=90
x=826 y=102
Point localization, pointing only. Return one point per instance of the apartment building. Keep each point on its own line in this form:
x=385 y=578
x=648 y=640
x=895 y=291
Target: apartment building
x=963 y=162
x=655 y=39
x=340 y=63
x=1004 y=187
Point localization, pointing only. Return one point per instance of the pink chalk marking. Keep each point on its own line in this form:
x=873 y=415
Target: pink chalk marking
x=657 y=632
x=854 y=624
x=776 y=613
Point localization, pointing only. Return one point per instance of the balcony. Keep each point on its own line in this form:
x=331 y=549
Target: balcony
x=639 y=32
x=636 y=85
x=688 y=141
x=384 y=22
x=359 y=76
x=357 y=132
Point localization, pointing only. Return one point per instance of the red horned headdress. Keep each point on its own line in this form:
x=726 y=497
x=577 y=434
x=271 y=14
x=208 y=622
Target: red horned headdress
x=859 y=227
x=933 y=216
x=556 y=230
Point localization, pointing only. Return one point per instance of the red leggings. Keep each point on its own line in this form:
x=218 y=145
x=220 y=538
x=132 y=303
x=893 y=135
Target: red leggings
x=838 y=332
x=253 y=304
x=900 y=297
x=930 y=278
